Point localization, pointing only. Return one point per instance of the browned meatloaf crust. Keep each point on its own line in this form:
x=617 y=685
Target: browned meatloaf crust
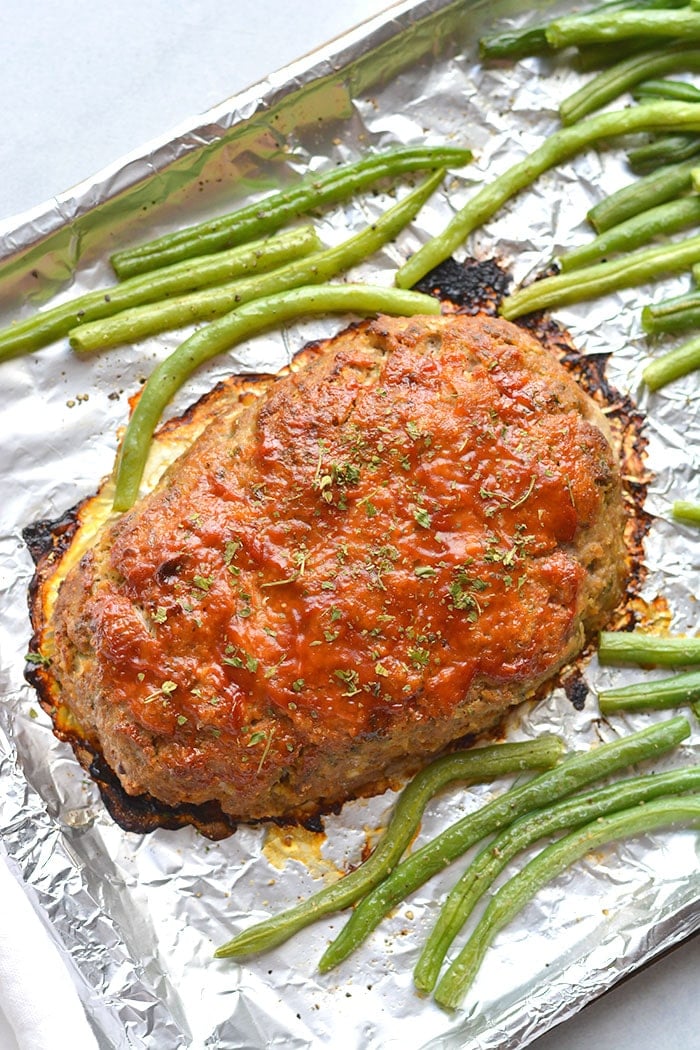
x=382 y=553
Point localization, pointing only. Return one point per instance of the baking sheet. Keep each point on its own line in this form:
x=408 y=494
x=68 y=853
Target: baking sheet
x=139 y=917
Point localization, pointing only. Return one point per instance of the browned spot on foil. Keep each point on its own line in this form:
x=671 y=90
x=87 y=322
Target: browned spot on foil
x=654 y=616
x=283 y=845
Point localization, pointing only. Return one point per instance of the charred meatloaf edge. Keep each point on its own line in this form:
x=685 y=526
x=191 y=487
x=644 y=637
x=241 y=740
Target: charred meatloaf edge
x=383 y=553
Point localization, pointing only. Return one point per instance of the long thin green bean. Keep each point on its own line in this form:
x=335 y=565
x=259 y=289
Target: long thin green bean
x=651 y=696
x=606 y=28
x=663 y=185
x=248 y=320
x=638 y=647
x=673 y=365
x=514 y=44
x=431 y=858
x=511 y=898
x=560 y=146
x=623 y=76
x=476 y=766
x=642 y=266
x=261 y=217
x=685 y=511
x=258 y=257
x=672 y=315
x=595 y=57
x=132 y=325
x=662 y=150
x=532 y=40
x=672 y=89
x=639 y=230
x=528 y=829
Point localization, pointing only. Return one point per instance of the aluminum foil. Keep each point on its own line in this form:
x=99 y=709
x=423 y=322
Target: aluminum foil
x=139 y=917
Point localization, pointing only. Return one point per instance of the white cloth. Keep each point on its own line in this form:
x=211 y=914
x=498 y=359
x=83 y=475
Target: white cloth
x=37 y=994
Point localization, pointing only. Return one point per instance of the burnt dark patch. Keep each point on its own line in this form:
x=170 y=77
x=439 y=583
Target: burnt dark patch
x=576 y=691
x=143 y=813
x=314 y=823
x=475 y=286
x=48 y=538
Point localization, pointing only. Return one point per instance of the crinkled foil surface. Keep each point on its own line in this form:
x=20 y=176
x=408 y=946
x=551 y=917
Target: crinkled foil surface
x=139 y=917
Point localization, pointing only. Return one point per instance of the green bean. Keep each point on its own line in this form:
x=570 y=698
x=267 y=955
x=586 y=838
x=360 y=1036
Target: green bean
x=514 y=43
x=431 y=858
x=638 y=647
x=248 y=320
x=635 y=232
x=664 y=149
x=685 y=511
x=477 y=765
x=562 y=144
x=621 y=25
x=673 y=365
x=259 y=256
x=210 y=303
x=519 y=43
x=623 y=76
x=657 y=188
x=672 y=89
x=511 y=898
x=533 y=826
x=672 y=315
x=651 y=696
x=600 y=56
x=260 y=217
x=648 y=264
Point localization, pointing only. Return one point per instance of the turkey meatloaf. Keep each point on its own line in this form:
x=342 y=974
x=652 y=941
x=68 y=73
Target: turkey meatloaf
x=383 y=552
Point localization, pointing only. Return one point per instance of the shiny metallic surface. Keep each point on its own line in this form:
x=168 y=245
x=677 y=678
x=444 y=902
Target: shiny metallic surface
x=139 y=917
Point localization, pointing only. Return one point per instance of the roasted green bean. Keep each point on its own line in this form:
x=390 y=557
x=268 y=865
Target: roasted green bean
x=572 y=773
x=672 y=315
x=673 y=365
x=560 y=146
x=642 y=266
x=609 y=27
x=638 y=647
x=662 y=150
x=639 y=230
x=519 y=43
x=685 y=511
x=478 y=765
x=259 y=256
x=180 y=311
x=651 y=696
x=672 y=89
x=623 y=76
x=261 y=217
x=530 y=828
x=660 y=186
x=667 y=812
